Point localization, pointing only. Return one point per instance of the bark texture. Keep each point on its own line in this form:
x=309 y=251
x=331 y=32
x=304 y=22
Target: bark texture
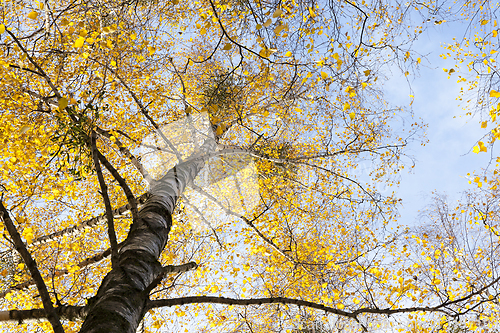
x=121 y=301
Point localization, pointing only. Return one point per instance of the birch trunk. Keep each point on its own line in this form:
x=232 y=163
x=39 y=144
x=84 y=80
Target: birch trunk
x=120 y=302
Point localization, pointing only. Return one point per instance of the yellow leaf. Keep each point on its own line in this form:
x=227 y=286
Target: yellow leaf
x=79 y=42
x=311 y=12
x=494 y=93
x=83 y=33
x=33 y=15
x=24 y=129
x=265 y=52
x=279 y=28
x=64 y=22
x=495 y=33
x=419 y=60
x=258 y=26
x=475 y=149
x=203 y=31
x=28 y=235
x=277 y=13
x=352 y=115
x=364 y=84
x=219 y=131
x=340 y=306
x=484 y=22
x=2 y=29
x=367 y=72
x=113 y=63
x=133 y=36
x=324 y=75
x=346 y=106
x=268 y=23
x=227 y=47
x=73 y=269
x=288 y=54
x=482 y=147
x=63 y=103
x=484 y=124
x=356 y=301
x=351 y=91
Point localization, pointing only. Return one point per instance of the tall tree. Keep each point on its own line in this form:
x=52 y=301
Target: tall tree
x=222 y=154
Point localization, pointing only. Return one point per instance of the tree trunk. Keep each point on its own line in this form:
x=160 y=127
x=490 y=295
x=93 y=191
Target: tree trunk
x=120 y=302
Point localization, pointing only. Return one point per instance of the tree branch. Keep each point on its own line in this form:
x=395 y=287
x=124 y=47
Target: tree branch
x=35 y=273
x=125 y=151
x=105 y=198
x=118 y=212
x=126 y=189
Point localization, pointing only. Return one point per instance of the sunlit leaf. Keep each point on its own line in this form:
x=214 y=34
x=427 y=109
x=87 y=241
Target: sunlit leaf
x=33 y=15
x=494 y=93
x=277 y=13
x=63 y=103
x=79 y=42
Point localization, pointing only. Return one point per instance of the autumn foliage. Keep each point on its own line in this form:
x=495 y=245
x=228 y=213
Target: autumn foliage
x=209 y=158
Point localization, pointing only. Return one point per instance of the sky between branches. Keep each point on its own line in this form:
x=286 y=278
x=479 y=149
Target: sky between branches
x=442 y=165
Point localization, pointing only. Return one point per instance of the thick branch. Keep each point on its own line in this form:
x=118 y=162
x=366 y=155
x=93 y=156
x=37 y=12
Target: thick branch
x=123 y=184
x=118 y=212
x=65 y=312
x=107 y=203
x=79 y=312
x=125 y=151
x=35 y=273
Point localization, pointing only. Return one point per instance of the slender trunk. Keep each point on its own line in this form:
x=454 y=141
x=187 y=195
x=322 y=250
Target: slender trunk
x=120 y=302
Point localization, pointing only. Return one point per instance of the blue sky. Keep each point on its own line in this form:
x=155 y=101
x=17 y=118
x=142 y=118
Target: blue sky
x=443 y=163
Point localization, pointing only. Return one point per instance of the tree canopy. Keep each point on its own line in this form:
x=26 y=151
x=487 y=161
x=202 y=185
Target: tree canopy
x=196 y=166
